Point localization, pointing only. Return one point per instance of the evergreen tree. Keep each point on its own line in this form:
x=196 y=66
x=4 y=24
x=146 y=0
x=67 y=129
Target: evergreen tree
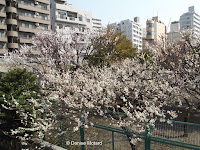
x=17 y=85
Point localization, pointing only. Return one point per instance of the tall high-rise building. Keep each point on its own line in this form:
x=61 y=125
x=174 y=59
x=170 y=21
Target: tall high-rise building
x=156 y=30
x=190 y=20
x=64 y=15
x=132 y=29
x=20 y=20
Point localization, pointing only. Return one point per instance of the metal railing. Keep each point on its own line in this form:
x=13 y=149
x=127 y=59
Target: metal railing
x=166 y=135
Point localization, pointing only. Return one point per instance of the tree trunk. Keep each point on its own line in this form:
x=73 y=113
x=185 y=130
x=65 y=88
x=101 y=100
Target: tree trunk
x=186 y=119
x=129 y=138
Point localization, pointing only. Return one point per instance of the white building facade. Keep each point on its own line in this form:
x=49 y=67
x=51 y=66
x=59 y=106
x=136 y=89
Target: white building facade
x=64 y=15
x=96 y=24
x=174 y=35
x=190 y=20
x=133 y=31
x=175 y=26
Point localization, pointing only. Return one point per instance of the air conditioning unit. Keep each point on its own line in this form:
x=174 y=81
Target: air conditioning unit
x=36 y=3
x=37 y=14
x=37 y=24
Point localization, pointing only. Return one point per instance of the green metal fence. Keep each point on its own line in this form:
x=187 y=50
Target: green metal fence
x=167 y=135
x=176 y=135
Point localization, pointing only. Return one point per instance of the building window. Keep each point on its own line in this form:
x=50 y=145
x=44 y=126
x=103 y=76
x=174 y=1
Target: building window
x=1 y=45
x=27 y=36
x=71 y=18
x=149 y=33
x=80 y=18
x=31 y=26
x=27 y=14
x=27 y=25
x=81 y=29
x=71 y=14
x=22 y=2
x=149 y=24
x=88 y=20
x=60 y=26
x=23 y=25
x=44 y=6
x=62 y=15
x=27 y=3
x=1 y=34
x=44 y=27
x=44 y=17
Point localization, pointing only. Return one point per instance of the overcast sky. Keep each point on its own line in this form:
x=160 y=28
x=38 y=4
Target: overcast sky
x=110 y=11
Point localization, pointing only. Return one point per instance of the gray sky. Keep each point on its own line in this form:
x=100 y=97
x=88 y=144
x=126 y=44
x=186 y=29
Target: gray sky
x=110 y=11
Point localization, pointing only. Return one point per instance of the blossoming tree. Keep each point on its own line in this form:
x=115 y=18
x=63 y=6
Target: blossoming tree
x=138 y=87
x=182 y=59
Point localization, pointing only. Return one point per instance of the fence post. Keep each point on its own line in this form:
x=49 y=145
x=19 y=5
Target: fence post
x=82 y=132
x=113 y=141
x=61 y=129
x=44 y=115
x=148 y=137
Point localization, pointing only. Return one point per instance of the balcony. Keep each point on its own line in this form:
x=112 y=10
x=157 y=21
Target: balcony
x=3 y=27
x=12 y=33
x=25 y=41
x=150 y=37
x=3 y=39
x=23 y=29
x=25 y=18
x=2 y=2
x=2 y=14
x=13 y=45
x=149 y=21
x=33 y=8
x=34 y=19
x=31 y=30
x=43 y=1
x=150 y=28
x=11 y=21
x=70 y=20
x=2 y=52
x=11 y=9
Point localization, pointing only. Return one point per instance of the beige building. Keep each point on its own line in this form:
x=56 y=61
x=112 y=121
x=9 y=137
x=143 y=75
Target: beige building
x=64 y=15
x=20 y=20
x=155 y=30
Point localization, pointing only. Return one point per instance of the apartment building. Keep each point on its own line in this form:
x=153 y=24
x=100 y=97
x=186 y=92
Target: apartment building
x=190 y=20
x=64 y=15
x=156 y=30
x=96 y=24
x=3 y=28
x=132 y=29
x=20 y=20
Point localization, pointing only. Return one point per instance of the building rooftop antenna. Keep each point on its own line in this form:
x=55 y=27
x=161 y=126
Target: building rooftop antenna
x=168 y=24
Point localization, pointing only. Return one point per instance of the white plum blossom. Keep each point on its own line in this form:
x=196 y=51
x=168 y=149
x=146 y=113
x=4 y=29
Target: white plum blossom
x=139 y=87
